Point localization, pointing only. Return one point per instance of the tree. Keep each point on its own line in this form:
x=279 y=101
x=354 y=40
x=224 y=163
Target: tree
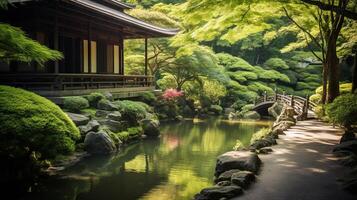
x=16 y=46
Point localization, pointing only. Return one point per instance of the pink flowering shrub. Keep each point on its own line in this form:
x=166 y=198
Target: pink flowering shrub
x=171 y=94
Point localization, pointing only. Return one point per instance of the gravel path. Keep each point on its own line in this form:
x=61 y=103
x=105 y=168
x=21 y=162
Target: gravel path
x=301 y=166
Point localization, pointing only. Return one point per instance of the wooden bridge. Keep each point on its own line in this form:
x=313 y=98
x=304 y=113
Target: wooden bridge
x=303 y=106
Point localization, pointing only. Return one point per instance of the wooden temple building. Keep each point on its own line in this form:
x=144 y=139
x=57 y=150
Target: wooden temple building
x=90 y=34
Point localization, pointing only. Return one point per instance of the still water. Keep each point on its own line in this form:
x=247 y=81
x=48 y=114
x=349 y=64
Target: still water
x=174 y=167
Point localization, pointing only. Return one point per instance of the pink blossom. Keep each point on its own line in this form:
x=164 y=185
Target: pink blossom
x=171 y=94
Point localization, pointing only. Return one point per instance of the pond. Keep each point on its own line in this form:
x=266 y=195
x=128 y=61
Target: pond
x=176 y=166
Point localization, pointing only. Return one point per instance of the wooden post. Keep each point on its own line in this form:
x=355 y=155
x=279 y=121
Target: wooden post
x=255 y=101
x=292 y=101
x=275 y=95
x=283 y=92
x=307 y=103
x=89 y=48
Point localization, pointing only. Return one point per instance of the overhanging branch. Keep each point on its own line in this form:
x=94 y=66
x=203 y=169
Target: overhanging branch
x=336 y=9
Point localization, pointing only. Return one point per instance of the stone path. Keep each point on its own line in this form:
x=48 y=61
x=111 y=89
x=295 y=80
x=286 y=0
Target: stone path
x=301 y=166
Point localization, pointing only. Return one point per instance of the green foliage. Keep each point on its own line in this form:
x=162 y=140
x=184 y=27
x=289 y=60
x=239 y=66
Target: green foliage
x=94 y=98
x=131 y=111
x=276 y=63
x=15 y=46
x=31 y=123
x=75 y=104
x=343 y=110
x=130 y=134
x=148 y=97
x=217 y=109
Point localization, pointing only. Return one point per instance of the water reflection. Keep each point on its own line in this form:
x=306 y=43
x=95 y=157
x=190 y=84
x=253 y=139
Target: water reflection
x=176 y=166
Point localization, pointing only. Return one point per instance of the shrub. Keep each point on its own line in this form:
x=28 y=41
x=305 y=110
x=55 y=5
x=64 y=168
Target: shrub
x=33 y=129
x=343 y=110
x=148 y=97
x=217 y=109
x=276 y=63
x=171 y=94
x=94 y=98
x=247 y=108
x=130 y=134
x=131 y=111
x=75 y=104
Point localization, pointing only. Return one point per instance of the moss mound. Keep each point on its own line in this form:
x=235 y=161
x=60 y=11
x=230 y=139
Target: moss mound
x=31 y=123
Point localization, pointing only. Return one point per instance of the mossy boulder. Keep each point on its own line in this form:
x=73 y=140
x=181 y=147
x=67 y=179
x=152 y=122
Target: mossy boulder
x=216 y=109
x=251 y=115
x=75 y=104
x=151 y=127
x=30 y=122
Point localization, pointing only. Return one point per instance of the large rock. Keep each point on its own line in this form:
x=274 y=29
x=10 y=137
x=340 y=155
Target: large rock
x=102 y=113
x=275 y=110
x=251 y=115
x=228 y=110
x=78 y=119
x=151 y=127
x=243 y=178
x=242 y=160
x=91 y=126
x=99 y=143
x=219 y=192
x=106 y=105
x=347 y=146
x=116 y=116
x=258 y=144
x=114 y=126
x=287 y=114
x=226 y=176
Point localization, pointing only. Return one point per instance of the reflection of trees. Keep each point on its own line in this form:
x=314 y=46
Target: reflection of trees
x=183 y=158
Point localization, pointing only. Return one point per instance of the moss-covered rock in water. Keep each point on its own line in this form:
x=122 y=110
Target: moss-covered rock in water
x=31 y=123
x=251 y=115
x=217 y=109
x=132 y=111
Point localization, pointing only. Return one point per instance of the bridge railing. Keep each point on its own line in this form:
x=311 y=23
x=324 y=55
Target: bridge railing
x=300 y=104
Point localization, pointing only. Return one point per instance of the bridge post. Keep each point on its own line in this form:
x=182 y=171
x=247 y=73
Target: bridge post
x=292 y=103
x=307 y=102
x=283 y=92
x=255 y=101
x=265 y=96
x=275 y=95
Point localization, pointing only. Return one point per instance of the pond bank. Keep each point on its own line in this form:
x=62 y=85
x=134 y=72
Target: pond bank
x=301 y=166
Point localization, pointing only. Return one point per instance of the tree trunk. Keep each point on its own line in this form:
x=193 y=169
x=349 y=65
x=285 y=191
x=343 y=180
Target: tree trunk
x=354 y=79
x=324 y=82
x=333 y=71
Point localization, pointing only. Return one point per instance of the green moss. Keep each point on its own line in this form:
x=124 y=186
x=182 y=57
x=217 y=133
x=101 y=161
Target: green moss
x=94 y=98
x=89 y=111
x=130 y=134
x=30 y=122
x=75 y=104
x=260 y=134
x=132 y=111
x=148 y=97
x=276 y=63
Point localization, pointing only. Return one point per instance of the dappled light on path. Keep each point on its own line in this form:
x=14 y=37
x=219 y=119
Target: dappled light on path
x=302 y=166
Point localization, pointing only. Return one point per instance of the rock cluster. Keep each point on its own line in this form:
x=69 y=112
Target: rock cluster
x=347 y=153
x=236 y=170
x=98 y=130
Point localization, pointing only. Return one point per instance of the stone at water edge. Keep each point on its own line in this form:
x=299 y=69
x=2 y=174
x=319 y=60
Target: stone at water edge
x=251 y=115
x=242 y=160
x=243 y=178
x=226 y=176
x=151 y=127
x=224 y=183
x=78 y=119
x=265 y=150
x=219 y=192
x=99 y=143
x=91 y=126
x=275 y=110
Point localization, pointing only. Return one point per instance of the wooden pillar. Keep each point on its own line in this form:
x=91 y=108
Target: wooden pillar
x=89 y=48
x=275 y=94
x=146 y=56
x=55 y=43
x=307 y=103
x=121 y=57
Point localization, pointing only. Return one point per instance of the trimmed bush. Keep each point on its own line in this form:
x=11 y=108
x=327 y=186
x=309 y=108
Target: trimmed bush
x=31 y=123
x=75 y=104
x=94 y=98
x=131 y=111
x=148 y=97
x=343 y=110
x=217 y=109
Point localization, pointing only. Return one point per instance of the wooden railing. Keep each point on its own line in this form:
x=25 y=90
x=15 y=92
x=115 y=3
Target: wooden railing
x=300 y=104
x=66 y=81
